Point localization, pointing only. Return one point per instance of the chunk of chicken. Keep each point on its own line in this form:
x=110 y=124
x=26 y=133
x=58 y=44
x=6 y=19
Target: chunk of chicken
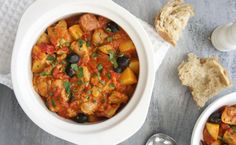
x=229 y=115
x=41 y=85
x=98 y=37
x=117 y=98
x=59 y=34
x=89 y=22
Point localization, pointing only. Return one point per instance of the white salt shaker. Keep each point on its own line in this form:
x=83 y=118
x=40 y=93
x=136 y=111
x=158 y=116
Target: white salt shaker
x=223 y=37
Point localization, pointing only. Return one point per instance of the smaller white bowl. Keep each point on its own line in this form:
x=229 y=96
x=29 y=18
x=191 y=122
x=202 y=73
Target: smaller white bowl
x=197 y=134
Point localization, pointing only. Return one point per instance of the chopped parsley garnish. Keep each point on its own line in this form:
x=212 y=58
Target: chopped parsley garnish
x=80 y=42
x=63 y=42
x=108 y=29
x=112 y=58
x=53 y=103
x=74 y=67
x=102 y=82
x=80 y=82
x=109 y=39
x=94 y=55
x=51 y=58
x=67 y=87
x=99 y=67
x=88 y=44
x=109 y=75
x=80 y=73
x=44 y=74
x=112 y=86
x=89 y=92
x=87 y=97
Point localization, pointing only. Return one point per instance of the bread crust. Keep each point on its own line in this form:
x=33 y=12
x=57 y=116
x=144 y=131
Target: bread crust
x=172 y=19
x=204 y=77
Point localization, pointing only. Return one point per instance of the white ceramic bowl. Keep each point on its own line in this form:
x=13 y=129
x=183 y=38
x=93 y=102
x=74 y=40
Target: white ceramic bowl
x=35 y=20
x=197 y=134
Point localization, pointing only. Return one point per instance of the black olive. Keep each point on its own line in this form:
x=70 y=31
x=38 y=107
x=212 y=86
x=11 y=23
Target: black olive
x=215 y=117
x=69 y=71
x=72 y=58
x=118 y=69
x=81 y=118
x=123 y=61
x=113 y=27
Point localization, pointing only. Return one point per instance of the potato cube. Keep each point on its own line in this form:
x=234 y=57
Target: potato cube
x=128 y=77
x=213 y=130
x=127 y=46
x=43 y=39
x=105 y=48
x=75 y=32
x=134 y=66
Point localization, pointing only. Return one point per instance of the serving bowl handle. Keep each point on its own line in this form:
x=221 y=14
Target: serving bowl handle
x=160 y=46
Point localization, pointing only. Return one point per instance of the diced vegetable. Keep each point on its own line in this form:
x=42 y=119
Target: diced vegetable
x=230 y=136
x=111 y=110
x=75 y=32
x=79 y=48
x=106 y=48
x=98 y=37
x=59 y=34
x=39 y=60
x=43 y=39
x=88 y=107
x=216 y=143
x=128 y=77
x=95 y=92
x=229 y=115
x=213 y=130
x=134 y=65
x=117 y=98
x=127 y=46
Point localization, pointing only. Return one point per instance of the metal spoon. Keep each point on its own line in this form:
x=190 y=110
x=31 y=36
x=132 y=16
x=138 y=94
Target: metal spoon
x=161 y=139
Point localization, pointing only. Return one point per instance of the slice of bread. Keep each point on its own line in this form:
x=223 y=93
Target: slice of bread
x=172 y=19
x=205 y=77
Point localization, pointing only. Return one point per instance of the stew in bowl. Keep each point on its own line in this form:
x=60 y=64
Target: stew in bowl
x=85 y=68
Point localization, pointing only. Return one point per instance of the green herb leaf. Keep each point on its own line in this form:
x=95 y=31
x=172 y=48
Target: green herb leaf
x=53 y=103
x=80 y=42
x=88 y=44
x=44 y=74
x=67 y=87
x=112 y=58
x=102 y=82
x=112 y=86
x=109 y=39
x=94 y=55
x=99 y=67
x=108 y=29
x=80 y=82
x=109 y=75
x=74 y=67
x=80 y=73
x=87 y=97
x=51 y=58
x=89 y=92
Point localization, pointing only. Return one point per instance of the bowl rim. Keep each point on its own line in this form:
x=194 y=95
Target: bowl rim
x=117 y=121
x=229 y=99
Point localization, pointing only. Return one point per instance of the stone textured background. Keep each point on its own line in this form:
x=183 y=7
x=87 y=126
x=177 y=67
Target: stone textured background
x=172 y=110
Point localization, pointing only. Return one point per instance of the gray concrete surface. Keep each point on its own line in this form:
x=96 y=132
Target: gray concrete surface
x=172 y=110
